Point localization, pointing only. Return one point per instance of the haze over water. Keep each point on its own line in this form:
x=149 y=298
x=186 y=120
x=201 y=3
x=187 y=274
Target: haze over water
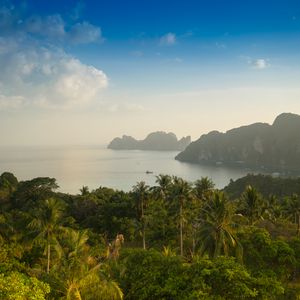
x=94 y=166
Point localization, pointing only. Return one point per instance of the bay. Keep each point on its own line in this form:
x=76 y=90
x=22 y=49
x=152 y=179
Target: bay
x=95 y=166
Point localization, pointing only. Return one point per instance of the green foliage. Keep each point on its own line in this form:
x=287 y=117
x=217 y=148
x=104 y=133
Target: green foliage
x=8 y=181
x=217 y=228
x=107 y=211
x=17 y=286
x=141 y=196
x=63 y=240
x=265 y=184
x=47 y=225
x=204 y=188
x=78 y=274
x=291 y=207
x=8 y=185
x=151 y=275
x=251 y=205
x=30 y=192
x=262 y=255
x=229 y=280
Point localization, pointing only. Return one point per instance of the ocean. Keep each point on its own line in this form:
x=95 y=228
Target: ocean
x=95 y=166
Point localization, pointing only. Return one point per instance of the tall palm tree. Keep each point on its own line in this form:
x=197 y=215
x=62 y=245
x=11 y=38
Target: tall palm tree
x=47 y=225
x=164 y=184
x=217 y=228
x=141 y=191
x=251 y=204
x=203 y=188
x=181 y=192
x=292 y=209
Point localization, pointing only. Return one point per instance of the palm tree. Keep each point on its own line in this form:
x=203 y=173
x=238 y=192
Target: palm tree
x=84 y=190
x=164 y=184
x=168 y=252
x=79 y=275
x=181 y=192
x=47 y=225
x=251 y=204
x=141 y=191
x=271 y=209
x=217 y=228
x=292 y=209
x=203 y=188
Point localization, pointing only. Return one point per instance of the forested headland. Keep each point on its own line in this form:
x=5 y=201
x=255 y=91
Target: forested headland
x=259 y=146
x=174 y=240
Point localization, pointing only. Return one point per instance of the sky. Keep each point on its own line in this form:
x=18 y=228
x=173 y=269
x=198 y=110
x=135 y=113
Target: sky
x=84 y=72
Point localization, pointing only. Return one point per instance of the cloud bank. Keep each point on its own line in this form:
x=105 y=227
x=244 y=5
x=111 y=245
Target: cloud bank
x=35 y=68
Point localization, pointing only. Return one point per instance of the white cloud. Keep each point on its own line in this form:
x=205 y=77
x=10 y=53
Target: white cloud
x=35 y=69
x=260 y=64
x=47 y=77
x=82 y=33
x=78 y=83
x=51 y=26
x=168 y=39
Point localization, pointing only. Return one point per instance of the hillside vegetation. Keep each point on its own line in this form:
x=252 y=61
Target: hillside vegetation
x=175 y=240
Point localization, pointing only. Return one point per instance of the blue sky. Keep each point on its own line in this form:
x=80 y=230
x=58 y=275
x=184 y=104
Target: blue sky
x=76 y=70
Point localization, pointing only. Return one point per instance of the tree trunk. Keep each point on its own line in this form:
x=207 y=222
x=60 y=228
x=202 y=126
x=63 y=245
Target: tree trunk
x=251 y=218
x=181 y=229
x=78 y=295
x=194 y=242
x=298 y=225
x=48 y=256
x=143 y=225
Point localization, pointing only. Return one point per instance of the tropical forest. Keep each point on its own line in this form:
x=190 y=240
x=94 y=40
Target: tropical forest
x=174 y=240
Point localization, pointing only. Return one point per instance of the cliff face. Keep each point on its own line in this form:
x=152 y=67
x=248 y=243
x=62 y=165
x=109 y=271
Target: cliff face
x=158 y=141
x=275 y=147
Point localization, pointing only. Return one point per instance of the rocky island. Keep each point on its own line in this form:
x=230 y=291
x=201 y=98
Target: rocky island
x=273 y=147
x=155 y=141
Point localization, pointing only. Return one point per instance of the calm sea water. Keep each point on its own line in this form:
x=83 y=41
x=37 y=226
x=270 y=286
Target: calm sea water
x=96 y=166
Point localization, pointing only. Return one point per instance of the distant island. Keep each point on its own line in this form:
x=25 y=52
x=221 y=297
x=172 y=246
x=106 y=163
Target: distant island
x=273 y=147
x=156 y=141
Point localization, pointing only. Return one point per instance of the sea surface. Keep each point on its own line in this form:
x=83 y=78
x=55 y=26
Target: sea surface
x=95 y=166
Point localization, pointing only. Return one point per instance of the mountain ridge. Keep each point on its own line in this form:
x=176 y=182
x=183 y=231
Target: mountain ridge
x=155 y=141
x=273 y=147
